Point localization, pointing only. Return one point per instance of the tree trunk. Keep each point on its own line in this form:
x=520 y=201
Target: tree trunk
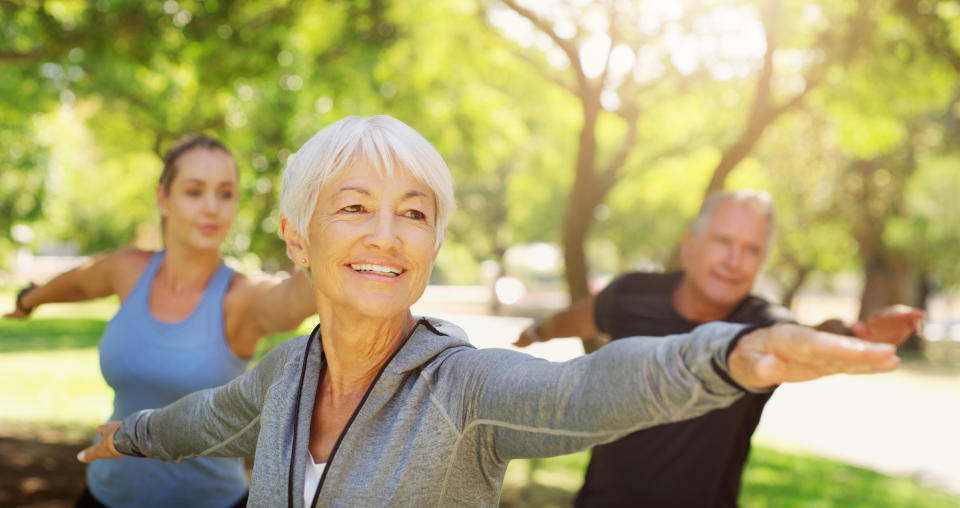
x=579 y=218
x=889 y=281
x=794 y=287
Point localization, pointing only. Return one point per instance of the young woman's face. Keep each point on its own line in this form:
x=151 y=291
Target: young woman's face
x=202 y=201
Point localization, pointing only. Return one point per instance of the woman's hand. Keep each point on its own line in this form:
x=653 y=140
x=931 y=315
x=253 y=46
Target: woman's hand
x=20 y=311
x=787 y=353
x=104 y=448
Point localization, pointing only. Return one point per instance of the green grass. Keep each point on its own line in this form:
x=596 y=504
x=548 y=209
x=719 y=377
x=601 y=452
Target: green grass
x=771 y=479
x=777 y=479
x=49 y=334
x=57 y=388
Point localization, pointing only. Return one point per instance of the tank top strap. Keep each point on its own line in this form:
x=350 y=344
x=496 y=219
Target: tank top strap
x=216 y=289
x=221 y=281
x=141 y=291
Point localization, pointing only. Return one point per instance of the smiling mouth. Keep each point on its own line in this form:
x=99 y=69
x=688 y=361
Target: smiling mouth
x=726 y=280
x=388 y=271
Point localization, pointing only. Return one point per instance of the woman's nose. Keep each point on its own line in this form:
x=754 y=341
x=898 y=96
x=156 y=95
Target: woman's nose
x=383 y=233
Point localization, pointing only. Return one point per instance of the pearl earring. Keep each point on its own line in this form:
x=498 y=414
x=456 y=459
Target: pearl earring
x=303 y=260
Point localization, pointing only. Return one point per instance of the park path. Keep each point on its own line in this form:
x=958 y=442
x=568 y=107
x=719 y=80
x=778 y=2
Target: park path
x=904 y=423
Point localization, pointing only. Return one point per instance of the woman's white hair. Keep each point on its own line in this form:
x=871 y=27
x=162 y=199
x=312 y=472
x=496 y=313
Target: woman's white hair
x=381 y=142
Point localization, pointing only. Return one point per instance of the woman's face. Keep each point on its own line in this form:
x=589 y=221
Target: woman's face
x=372 y=241
x=202 y=201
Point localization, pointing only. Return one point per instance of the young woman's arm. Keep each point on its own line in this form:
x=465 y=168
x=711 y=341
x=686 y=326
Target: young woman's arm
x=265 y=304
x=102 y=275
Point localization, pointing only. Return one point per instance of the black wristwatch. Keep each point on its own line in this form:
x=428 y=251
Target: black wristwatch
x=20 y=307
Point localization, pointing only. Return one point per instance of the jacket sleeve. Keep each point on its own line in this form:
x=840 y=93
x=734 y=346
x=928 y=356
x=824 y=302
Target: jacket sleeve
x=216 y=422
x=529 y=407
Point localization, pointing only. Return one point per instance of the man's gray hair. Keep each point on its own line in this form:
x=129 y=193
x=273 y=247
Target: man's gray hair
x=384 y=143
x=759 y=200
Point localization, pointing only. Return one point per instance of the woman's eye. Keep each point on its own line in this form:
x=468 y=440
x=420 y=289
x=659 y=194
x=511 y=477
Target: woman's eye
x=194 y=192
x=352 y=209
x=226 y=195
x=415 y=214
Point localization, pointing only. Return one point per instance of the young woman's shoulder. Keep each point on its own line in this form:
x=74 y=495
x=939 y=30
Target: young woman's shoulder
x=125 y=267
x=244 y=288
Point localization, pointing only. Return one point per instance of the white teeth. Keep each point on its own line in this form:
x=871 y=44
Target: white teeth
x=379 y=269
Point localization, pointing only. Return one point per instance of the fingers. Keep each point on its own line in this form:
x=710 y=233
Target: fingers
x=88 y=455
x=806 y=344
x=791 y=353
x=526 y=338
x=103 y=449
x=861 y=331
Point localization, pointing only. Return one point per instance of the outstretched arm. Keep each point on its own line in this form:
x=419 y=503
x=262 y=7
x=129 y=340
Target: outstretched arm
x=281 y=304
x=536 y=408
x=95 y=278
x=574 y=321
x=266 y=304
x=216 y=422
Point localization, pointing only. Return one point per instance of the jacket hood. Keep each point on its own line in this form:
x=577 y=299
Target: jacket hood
x=430 y=337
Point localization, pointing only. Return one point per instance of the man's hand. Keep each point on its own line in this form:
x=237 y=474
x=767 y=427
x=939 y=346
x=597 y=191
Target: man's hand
x=788 y=353
x=104 y=448
x=891 y=325
x=528 y=336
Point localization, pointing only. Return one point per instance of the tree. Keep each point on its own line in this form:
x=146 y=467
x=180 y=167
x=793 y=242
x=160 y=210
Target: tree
x=143 y=74
x=617 y=71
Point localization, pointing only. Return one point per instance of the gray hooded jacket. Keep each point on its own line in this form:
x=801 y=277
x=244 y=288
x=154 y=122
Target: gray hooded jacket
x=441 y=421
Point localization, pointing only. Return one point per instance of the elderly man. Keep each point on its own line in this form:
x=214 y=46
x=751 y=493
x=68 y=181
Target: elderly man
x=696 y=462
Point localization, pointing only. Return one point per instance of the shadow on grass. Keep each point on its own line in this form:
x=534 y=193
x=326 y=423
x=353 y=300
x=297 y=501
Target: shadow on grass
x=35 y=471
x=49 y=334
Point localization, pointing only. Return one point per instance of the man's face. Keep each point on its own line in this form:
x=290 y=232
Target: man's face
x=723 y=262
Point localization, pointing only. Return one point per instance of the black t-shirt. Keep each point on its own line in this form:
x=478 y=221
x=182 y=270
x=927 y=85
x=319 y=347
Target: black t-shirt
x=692 y=463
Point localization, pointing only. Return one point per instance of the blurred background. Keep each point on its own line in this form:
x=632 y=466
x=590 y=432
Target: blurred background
x=582 y=135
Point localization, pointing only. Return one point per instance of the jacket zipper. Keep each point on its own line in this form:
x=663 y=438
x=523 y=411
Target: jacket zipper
x=336 y=446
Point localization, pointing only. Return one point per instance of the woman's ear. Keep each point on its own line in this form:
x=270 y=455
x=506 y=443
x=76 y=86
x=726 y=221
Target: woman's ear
x=296 y=246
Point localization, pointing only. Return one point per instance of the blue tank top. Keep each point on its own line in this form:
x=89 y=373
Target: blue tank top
x=150 y=364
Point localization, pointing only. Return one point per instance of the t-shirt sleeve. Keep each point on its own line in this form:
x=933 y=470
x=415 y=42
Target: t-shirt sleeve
x=604 y=306
x=769 y=314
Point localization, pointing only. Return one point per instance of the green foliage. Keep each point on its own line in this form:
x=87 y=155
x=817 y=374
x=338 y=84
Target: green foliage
x=929 y=231
x=93 y=91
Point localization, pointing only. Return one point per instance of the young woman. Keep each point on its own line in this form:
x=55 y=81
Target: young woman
x=186 y=322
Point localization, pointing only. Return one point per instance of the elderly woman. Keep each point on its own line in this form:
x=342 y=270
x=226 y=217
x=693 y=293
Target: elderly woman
x=377 y=407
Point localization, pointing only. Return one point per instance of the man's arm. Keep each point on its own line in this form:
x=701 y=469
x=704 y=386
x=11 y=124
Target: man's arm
x=576 y=320
x=890 y=325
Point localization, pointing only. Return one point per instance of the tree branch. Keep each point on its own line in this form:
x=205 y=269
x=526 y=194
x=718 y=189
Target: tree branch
x=542 y=69
x=568 y=48
x=17 y=56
